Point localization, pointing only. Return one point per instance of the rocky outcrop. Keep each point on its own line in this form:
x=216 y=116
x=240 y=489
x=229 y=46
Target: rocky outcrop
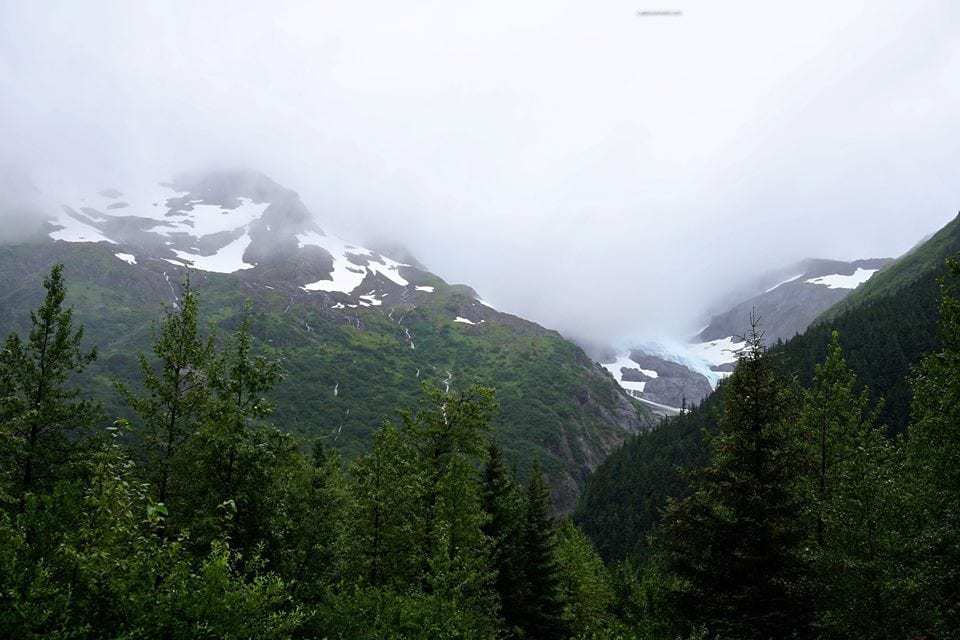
x=675 y=384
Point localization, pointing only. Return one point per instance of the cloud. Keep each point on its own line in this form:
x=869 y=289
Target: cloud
x=603 y=173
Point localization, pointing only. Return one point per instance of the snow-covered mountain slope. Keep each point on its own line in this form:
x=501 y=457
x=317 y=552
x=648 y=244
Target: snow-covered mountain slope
x=229 y=222
x=358 y=330
x=786 y=301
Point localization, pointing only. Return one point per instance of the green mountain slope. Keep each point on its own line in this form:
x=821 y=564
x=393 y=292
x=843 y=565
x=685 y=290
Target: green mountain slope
x=885 y=327
x=349 y=365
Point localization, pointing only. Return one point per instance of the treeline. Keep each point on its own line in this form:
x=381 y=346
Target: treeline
x=198 y=518
x=805 y=520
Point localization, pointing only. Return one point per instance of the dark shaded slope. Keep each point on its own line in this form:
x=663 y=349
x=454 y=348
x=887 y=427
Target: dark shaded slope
x=623 y=498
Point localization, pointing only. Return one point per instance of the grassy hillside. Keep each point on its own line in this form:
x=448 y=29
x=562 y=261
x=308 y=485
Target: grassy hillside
x=347 y=372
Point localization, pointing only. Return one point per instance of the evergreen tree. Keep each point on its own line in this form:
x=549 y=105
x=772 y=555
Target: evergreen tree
x=541 y=614
x=585 y=588
x=384 y=540
x=852 y=473
x=933 y=471
x=833 y=416
x=503 y=503
x=42 y=419
x=318 y=519
x=449 y=435
x=111 y=576
x=734 y=544
x=176 y=398
x=237 y=461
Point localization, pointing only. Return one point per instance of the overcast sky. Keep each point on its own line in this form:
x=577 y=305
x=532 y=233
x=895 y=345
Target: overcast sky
x=603 y=171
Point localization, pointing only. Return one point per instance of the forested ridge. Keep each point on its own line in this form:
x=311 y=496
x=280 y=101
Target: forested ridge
x=782 y=509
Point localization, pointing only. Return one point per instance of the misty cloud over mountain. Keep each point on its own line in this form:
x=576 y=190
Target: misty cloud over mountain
x=576 y=163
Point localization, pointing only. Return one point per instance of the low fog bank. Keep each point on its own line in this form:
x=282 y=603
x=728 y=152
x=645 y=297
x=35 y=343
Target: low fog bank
x=605 y=174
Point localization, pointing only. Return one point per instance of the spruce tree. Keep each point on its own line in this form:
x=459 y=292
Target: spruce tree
x=734 y=545
x=503 y=504
x=449 y=435
x=176 y=397
x=832 y=417
x=541 y=614
x=852 y=467
x=586 y=592
x=383 y=540
x=42 y=419
x=236 y=459
x=318 y=518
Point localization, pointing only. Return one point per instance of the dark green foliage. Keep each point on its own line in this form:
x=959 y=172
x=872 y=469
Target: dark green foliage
x=233 y=457
x=933 y=471
x=585 y=587
x=176 y=398
x=503 y=504
x=541 y=612
x=850 y=490
x=735 y=543
x=42 y=419
x=624 y=497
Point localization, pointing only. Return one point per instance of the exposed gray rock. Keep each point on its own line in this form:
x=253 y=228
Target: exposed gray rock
x=675 y=384
x=787 y=308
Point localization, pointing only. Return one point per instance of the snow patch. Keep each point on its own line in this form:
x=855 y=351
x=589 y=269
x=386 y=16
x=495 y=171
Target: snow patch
x=780 y=284
x=129 y=258
x=207 y=219
x=425 y=288
x=718 y=352
x=351 y=264
x=838 y=281
x=72 y=229
x=464 y=320
x=622 y=362
x=228 y=259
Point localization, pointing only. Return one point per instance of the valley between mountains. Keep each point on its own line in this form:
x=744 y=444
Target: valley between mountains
x=359 y=331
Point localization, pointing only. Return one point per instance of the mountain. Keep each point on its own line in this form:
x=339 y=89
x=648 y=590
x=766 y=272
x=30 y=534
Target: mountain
x=886 y=325
x=669 y=377
x=358 y=331
x=790 y=305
